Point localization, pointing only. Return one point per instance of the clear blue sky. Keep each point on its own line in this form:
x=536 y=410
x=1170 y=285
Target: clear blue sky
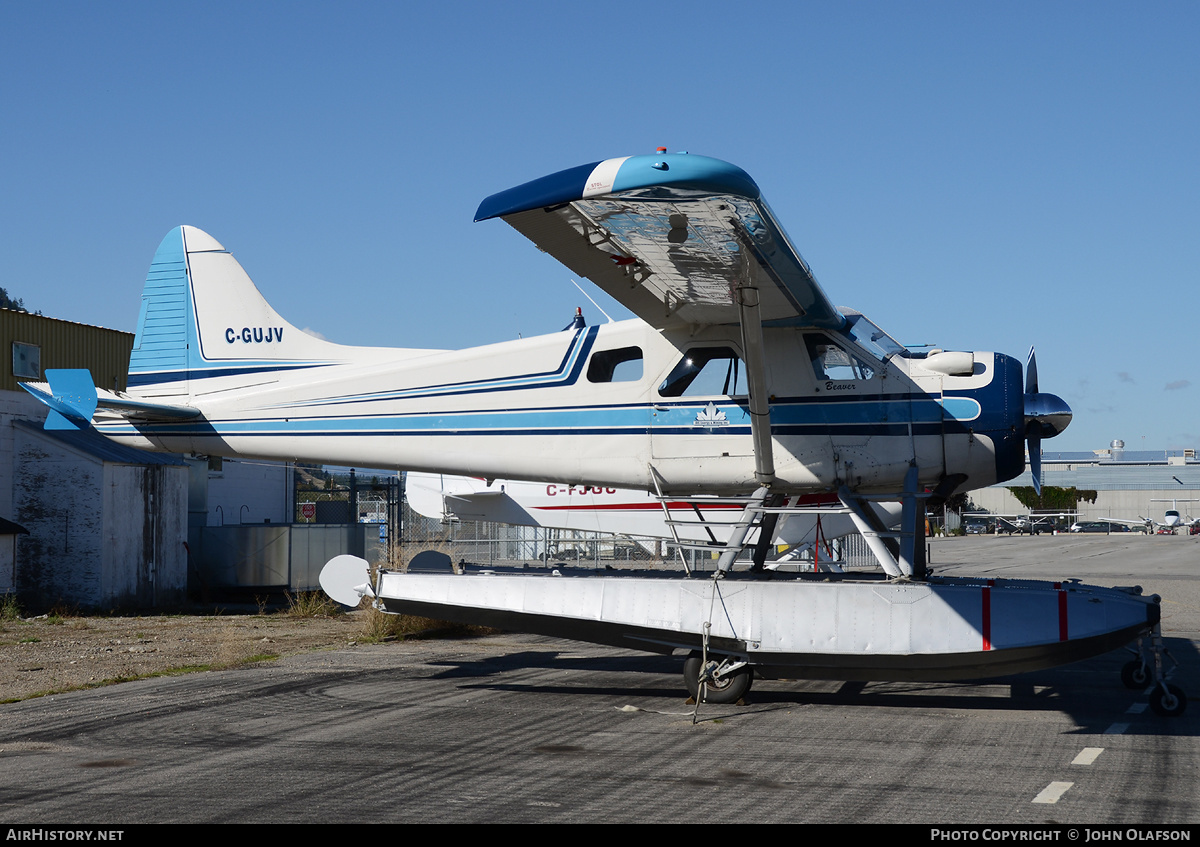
x=977 y=175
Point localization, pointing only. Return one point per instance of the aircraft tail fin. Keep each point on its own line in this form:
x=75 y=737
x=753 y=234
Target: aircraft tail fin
x=203 y=318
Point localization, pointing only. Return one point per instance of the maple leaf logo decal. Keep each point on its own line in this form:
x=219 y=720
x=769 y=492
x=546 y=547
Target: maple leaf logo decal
x=710 y=416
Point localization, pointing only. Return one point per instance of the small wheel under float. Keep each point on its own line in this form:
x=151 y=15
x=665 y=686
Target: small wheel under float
x=1135 y=674
x=1168 y=700
x=720 y=686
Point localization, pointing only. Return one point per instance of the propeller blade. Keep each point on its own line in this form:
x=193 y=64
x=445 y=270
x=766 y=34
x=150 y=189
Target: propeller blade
x=1046 y=415
x=1035 y=461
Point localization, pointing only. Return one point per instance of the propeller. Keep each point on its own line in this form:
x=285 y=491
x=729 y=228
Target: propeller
x=1046 y=415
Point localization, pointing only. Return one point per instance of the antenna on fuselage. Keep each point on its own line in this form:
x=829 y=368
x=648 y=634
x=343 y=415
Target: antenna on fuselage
x=593 y=302
x=577 y=322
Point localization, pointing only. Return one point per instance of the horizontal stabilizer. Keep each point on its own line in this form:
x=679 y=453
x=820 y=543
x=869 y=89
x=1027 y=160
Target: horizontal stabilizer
x=73 y=398
x=487 y=506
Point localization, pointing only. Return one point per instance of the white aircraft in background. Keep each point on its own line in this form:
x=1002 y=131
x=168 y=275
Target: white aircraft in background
x=700 y=523
x=1030 y=523
x=1172 y=521
x=1171 y=518
x=739 y=378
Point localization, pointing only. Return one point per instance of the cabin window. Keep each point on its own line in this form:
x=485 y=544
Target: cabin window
x=831 y=362
x=706 y=371
x=621 y=365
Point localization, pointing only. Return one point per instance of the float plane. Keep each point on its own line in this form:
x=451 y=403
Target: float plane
x=739 y=379
x=701 y=524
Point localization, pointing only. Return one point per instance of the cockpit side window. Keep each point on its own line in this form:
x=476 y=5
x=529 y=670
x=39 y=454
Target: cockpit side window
x=706 y=371
x=831 y=362
x=621 y=365
x=873 y=339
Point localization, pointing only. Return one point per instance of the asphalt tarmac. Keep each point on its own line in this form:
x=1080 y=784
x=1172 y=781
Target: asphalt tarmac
x=516 y=728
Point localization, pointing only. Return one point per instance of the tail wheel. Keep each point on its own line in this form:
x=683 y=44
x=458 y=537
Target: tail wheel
x=719 y=687
x=1168 y=700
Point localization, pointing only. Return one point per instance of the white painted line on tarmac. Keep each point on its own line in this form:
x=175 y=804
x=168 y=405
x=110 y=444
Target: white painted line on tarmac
x=1052 y=792
x=1136 y=709
x=1117 y=729
x=1087 y=755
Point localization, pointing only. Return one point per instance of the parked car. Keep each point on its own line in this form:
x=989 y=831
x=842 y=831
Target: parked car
x=1098 y=526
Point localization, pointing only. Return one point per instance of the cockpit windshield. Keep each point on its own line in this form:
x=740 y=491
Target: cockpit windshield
x=872 y=339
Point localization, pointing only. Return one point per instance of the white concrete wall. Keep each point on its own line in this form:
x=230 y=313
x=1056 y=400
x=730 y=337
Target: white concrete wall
x=249 y=492
x=8 y=573
x=103 y=535
x=145 y=525
x=57 y=494
x=14 y=405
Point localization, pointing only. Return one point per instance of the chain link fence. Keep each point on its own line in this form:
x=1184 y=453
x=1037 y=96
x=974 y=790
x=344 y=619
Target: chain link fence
x=485 y=544
x=325 y=498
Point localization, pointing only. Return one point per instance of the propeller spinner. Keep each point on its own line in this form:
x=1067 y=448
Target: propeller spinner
x=1046 y=415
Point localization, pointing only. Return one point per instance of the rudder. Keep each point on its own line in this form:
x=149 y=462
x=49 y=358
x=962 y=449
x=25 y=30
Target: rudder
x=202 y=317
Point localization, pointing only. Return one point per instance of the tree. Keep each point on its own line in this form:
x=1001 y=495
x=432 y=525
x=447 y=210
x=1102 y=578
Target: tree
x=1053 y=497
x=7 y=302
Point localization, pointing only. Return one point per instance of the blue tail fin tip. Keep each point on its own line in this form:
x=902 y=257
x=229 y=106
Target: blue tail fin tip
x=72 y=399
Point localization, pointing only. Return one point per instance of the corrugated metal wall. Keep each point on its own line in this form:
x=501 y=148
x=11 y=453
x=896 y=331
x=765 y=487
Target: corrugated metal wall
x=63 y=344
x=1118 y=476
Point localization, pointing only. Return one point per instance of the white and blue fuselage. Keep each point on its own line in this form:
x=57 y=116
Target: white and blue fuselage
x=608 y=405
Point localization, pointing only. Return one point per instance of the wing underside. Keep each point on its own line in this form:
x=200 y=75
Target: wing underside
x=671 y=237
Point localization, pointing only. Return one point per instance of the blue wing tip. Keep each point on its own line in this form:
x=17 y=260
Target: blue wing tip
x=550 y=190
x=675 y=170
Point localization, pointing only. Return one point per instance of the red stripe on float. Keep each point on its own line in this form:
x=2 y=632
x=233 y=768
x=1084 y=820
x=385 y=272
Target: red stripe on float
x=1062 y=615
x=637 y=507
x=987 y=619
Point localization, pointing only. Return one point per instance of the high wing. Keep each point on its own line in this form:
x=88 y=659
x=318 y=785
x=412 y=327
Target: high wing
x=679 y=240
x=667 y=235
x=1140 y=523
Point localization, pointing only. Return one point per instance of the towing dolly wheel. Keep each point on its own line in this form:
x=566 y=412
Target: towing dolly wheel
x=1168 y=700
x=1135 y=674
x=728 y=688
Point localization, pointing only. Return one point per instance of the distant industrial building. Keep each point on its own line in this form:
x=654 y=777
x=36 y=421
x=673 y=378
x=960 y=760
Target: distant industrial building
x=86 y=523
x=1124 y=483
x=98 y=525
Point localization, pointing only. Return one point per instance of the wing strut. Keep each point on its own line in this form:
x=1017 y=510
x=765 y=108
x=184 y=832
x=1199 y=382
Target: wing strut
x=756 y=375
x=737 y=538
x=872 y=530
x=907 y=558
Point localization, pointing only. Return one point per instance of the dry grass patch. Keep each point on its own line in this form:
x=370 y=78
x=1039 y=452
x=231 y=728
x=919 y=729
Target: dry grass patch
x=312 y=604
